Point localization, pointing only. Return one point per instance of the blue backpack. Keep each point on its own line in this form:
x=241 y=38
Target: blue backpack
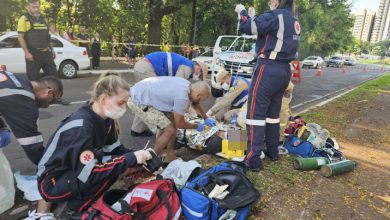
x=242 y=195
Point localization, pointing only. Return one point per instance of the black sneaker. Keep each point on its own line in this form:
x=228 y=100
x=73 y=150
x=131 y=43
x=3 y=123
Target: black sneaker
x=62 y=101
x=146 y=133
x=256 y=169
x=68 y=214
x=272 y=157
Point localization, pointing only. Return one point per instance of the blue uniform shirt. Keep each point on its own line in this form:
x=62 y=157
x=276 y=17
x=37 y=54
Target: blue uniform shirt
x=277 y=31
x=168 y=63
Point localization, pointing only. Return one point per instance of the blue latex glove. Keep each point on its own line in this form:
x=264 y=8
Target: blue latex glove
x=200 y=127
x=209 y=122
x=5 y=137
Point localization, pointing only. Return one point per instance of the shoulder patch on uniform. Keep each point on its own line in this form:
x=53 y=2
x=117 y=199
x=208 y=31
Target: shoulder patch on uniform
x=3 y=77
x=86 y=156
x=297 y=27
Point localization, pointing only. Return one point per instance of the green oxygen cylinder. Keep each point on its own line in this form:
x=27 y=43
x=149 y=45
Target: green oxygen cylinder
x=313 y=163
x=337 y=168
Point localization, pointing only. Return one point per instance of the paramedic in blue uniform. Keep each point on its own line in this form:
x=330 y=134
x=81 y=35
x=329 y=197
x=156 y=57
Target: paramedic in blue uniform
x=236 y=94
x=84 y=156
x=163 y=64
x=20 y=99
x=277 y=42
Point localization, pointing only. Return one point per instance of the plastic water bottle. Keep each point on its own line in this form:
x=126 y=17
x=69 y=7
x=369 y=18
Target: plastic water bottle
x=234 y=121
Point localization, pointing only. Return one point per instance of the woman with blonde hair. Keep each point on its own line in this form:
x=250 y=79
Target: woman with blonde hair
x=84 y=156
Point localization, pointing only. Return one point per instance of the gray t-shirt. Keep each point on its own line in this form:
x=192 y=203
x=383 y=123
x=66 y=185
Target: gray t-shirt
x=164 y=93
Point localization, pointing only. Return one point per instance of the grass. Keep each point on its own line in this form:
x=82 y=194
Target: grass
x=385 y=62
x=341 y=112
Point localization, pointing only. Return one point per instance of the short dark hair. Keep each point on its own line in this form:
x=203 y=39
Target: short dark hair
x=32 y=1
x=287 y=3
x=54 y=83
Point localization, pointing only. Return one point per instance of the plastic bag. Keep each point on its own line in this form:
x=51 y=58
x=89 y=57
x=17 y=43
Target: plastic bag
x=179 y=171
x=7 y=189
x=29 y=185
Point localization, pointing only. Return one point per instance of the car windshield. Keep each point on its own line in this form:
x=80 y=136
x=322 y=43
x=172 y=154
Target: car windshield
x=208 y=53
x=311 y=58
x=243 y=45
x=336 y=58
x=2 y=33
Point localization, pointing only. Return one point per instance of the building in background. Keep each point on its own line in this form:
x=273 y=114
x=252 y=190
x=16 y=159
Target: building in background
x=382 y=22
x=364 y=24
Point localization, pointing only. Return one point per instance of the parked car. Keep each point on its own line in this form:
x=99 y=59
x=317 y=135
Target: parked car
x=69 y=57
x=349 y=61
x=205 y=57
x=335 y=61
x=234 y=54
x=313 y=62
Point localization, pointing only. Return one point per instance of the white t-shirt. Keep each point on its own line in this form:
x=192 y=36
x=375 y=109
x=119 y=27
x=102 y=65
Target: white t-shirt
x=164 y=93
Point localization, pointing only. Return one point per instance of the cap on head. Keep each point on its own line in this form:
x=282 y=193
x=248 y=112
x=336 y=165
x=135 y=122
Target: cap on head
x=221 y=75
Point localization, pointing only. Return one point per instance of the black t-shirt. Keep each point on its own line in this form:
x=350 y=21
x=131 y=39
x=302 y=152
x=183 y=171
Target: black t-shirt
x=83 y=37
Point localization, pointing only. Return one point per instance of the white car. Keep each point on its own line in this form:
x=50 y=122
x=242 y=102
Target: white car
x=313 y=61
x=69 y=58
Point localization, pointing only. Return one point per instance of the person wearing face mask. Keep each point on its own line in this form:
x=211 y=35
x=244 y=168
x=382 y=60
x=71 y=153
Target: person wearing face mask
x=278 y=34
x=236 y=94
x=84 y=156
x=162 y=108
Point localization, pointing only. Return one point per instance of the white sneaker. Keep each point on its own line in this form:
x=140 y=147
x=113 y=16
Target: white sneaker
x=33 y=215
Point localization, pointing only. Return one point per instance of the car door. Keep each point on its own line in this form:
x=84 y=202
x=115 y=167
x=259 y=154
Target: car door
x=12 y=55
x=58 y=48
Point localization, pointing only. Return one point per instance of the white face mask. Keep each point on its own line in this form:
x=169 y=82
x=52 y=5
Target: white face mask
x=115 y=113
x=225 y=86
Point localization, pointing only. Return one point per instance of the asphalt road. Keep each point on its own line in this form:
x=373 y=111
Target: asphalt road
x=311 y=90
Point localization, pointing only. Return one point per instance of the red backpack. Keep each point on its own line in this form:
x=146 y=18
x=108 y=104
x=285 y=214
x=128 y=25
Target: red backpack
x=157 y=199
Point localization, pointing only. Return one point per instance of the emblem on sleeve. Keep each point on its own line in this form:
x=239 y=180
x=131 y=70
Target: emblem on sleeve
x=86 y=156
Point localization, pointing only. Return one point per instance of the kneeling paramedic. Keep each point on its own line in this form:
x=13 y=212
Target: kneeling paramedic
x=278 y=34
x=84 y=156
x=236 y=94
x=20 y=99
x=161 y=103
x=164 y=64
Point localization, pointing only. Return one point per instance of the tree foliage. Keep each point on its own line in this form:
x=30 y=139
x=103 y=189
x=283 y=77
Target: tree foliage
x=325 y=23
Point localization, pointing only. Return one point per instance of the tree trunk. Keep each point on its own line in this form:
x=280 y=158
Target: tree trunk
x=192 y=36
x=154 y=30
x=3 y=22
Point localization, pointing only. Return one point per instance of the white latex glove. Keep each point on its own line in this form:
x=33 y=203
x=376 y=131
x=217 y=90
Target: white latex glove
x=209 y=113
x=239 y=8
x=142 y=156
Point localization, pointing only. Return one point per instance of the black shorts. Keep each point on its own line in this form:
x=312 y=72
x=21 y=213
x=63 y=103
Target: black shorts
x=132 y=54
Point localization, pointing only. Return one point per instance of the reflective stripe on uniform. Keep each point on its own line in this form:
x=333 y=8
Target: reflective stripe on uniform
x=8 y=92
x=280 y=36
x=255 y=122
x=169 y=64
x=53 y=145
x=253 y=26
x=109 y=148
x=30 y=140
x=86 y=171
x=272 y=120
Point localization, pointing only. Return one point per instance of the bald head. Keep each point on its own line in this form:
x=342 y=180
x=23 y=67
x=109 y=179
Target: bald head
x=200 y=91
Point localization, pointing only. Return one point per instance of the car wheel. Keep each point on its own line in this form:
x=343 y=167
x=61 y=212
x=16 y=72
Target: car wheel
x=68 y=70
x=216 y=92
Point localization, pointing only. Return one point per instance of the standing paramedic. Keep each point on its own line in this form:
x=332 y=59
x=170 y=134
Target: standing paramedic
x=278 y=34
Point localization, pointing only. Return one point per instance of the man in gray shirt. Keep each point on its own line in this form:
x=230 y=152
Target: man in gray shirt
x=161 y=103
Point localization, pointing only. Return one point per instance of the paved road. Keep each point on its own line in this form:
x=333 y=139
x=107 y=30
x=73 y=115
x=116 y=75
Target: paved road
x=76 y=90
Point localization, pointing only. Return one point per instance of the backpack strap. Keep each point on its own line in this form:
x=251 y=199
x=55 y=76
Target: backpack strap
x=127 y=209
x=163 y=197
x=94 y=214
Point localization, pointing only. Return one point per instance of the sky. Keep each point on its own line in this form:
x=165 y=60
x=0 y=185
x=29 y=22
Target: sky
x=358 y=5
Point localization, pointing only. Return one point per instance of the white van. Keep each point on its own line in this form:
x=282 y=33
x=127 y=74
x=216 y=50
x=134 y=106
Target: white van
x=233 y=53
